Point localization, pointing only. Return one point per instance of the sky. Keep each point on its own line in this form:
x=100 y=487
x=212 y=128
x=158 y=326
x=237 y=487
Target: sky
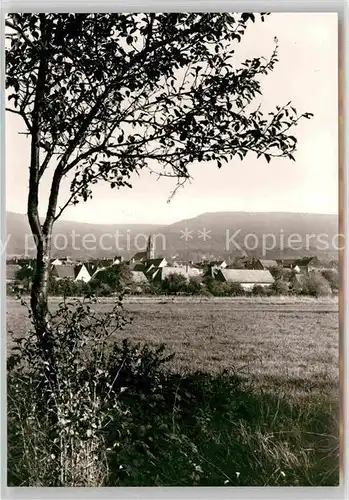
x=306 y=74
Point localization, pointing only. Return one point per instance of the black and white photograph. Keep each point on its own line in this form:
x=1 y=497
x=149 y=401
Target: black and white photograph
x=173 y=249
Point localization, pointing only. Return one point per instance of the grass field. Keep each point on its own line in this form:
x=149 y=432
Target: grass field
x=272 y=341
x=281 y=428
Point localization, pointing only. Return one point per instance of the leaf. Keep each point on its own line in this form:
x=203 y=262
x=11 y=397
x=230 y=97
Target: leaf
x=245 y=16
x=267 y=157
x=183 y=135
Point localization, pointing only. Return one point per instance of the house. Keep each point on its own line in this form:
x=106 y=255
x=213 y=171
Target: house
x=194 y=271
x=312 y=264
x=159 y=262
x=73 y=273
x=62 y=261
x=163 y=272
x=62 y=272
x=92 y=266
x=289 y=264
x=29 y=262
x=81 y=273
x=160 y=273
x=56 y=262
x=148 y=254
x=118 y=259
x=139 y=267
x=268 y=263
x=152 y=264
x=11 y=272
x=138 y=258
x=247 y=278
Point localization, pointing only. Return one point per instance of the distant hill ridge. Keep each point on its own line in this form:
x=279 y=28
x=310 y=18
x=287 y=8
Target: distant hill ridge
x=209 y=235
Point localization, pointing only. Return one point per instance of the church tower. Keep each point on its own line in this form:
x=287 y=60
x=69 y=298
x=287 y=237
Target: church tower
x=150 y=248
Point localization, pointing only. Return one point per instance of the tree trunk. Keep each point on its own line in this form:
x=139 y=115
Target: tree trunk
x=39 y=295
x=40 y=309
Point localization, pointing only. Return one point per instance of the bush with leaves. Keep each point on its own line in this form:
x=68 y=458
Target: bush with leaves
x=174 y=284
x=258 y=290
x=152 y=288
x=59 y=404
x=235 y=289
x=332 y=277
x=316 y=285
x=194 y=285
x=25 y=276
x=280 y=287
x=115 y=278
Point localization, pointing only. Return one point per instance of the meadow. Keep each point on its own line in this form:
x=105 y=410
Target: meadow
x=279 y=428
x=268 y=340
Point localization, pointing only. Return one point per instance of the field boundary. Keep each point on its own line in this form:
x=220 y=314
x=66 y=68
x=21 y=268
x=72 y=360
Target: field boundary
x=141 y=299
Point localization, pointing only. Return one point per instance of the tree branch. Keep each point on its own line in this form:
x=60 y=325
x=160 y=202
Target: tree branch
x=22 y=115
x=21 y=32
x=33 y=195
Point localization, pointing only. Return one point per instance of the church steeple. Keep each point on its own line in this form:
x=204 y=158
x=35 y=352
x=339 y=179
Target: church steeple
x=150 y=248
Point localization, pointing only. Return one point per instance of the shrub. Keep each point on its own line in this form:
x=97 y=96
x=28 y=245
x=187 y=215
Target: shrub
x=332 y=277
x=258 y=290
x=59 y=405
x=114 y=278
x=316 y=285
x=276 y=272
x=194 y=286
x=296 y=287
x=152 y=288
x=235 y=289
x=174 y=284
x=280 y=287
x=25 y=276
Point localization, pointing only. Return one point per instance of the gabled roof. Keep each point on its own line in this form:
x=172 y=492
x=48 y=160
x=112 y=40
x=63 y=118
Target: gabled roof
x=139 y=256
x=139 y=267
x=305 y=261
x=247 y=275
x=64 y=272
x=155 y=262
x=55 y=260
x=78 y=268
x=91 y=266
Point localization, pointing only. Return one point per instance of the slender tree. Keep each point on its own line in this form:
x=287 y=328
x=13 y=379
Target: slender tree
x=103 y=96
